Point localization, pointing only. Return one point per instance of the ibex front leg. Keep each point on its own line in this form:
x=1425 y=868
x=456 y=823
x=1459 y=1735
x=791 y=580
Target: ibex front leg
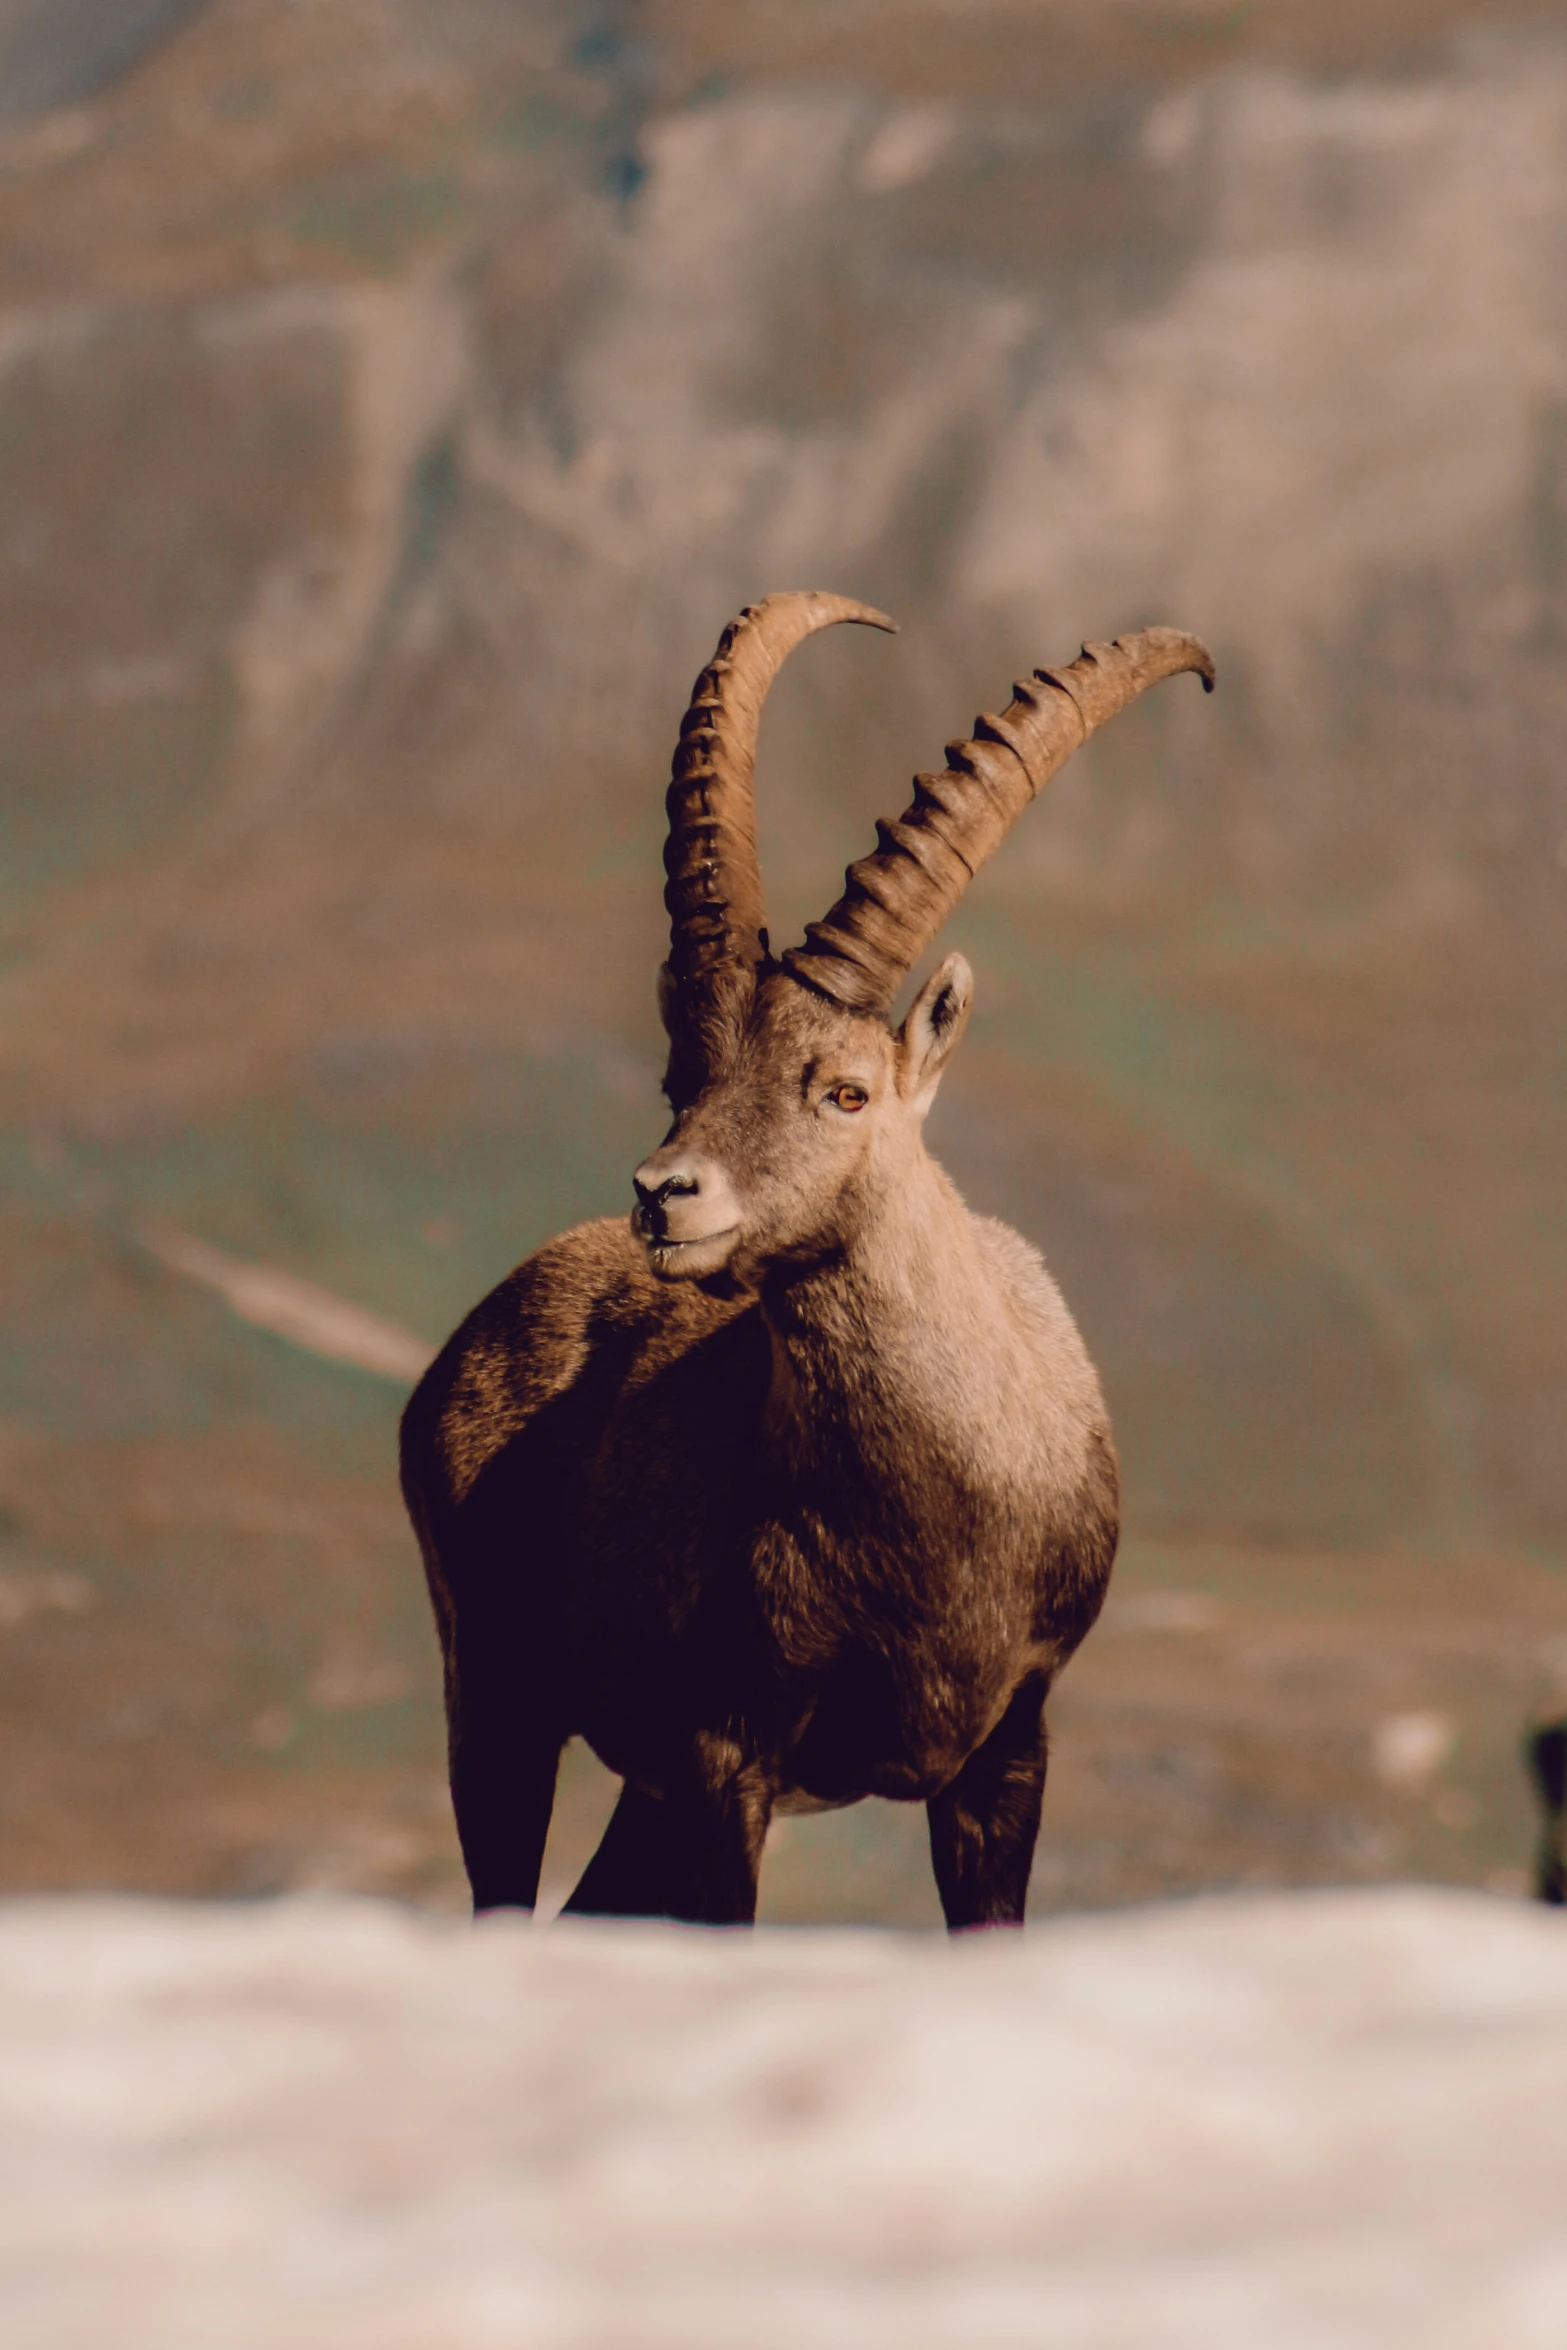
x=504 y=1747
x=983 y=1825
x=692 y=1852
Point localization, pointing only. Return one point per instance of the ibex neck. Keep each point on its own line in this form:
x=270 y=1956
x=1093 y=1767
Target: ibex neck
x=903 y=1321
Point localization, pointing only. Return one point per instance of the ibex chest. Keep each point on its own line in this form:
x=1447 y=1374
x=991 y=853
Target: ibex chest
x=865 y=1626
x=855 y=1556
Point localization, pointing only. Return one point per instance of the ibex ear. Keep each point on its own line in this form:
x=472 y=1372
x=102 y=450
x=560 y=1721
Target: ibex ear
x=936 y=1019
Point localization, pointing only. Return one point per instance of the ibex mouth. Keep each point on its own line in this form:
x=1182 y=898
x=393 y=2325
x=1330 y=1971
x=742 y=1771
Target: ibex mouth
x=685 y=1260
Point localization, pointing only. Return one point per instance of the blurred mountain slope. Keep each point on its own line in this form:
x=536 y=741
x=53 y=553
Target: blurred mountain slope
x=55 y=52
x=394 y=402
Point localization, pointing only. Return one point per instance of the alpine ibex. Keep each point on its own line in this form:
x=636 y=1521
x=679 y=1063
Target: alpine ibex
x=799 y=1488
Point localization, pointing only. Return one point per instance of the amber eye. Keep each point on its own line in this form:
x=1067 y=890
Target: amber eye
x=849 y=1097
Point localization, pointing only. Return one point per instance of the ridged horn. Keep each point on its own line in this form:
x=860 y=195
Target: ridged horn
x=897 y=899
x=714 y=893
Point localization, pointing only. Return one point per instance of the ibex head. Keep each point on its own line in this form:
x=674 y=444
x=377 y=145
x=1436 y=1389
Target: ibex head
x=787 y=1084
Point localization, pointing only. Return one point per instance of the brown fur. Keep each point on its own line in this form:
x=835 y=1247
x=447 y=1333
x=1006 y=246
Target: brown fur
x=801 y=1490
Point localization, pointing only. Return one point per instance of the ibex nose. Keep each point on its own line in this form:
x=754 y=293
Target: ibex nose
x=685 y=1203
x=657 y=1180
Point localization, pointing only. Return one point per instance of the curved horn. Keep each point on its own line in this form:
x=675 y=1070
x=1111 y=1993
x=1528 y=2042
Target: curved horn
x=714 y=895
x=897 y=899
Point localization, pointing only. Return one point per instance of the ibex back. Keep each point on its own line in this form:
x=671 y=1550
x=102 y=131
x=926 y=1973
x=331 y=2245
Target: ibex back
x=800 y=1487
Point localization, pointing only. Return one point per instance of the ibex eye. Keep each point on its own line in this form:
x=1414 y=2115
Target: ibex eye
x=849 y=1097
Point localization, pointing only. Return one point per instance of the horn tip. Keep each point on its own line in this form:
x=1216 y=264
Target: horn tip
x=1190 y=651
x=1201 y=660
x=865 y=614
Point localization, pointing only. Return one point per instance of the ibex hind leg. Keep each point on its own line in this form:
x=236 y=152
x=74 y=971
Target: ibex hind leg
x=626 y=1876
x=692 y=1853
x=983 y=1826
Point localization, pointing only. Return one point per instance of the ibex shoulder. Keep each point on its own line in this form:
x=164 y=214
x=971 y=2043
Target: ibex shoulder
x=585 y=1299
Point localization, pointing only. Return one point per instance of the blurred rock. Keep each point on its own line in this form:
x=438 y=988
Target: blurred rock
x=1282 y=2121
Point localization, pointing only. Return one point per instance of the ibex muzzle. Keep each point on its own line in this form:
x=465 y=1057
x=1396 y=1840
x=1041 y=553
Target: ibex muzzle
x=687 y=1216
